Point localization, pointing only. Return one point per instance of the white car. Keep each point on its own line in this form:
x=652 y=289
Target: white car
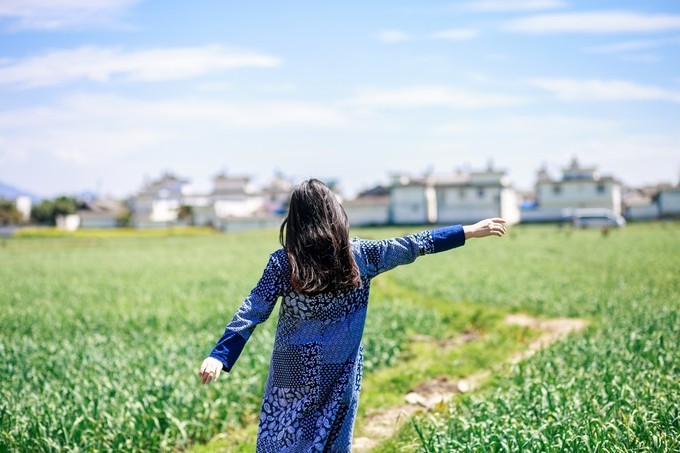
x=597 y=219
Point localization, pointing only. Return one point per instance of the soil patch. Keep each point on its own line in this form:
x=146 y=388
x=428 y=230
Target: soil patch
x=384 y=423
x=551 y=331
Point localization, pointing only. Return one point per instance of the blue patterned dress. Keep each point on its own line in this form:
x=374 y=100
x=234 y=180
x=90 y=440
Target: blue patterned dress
x=312 y=391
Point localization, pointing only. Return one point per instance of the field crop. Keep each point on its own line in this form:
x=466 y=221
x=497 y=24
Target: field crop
x=101 y=337
x=615 y=387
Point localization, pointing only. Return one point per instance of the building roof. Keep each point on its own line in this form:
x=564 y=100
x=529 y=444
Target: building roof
x=222 y=176
x=368 y=201
x=166 y=180
x=573 y=173
x=101 y=208
x=488 y=177
x=377 y=191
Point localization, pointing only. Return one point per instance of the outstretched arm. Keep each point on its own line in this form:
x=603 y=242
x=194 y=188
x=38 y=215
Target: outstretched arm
x=255 y=309
x=381 y=256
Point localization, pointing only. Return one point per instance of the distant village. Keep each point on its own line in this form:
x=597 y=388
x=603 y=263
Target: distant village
x=456 y=197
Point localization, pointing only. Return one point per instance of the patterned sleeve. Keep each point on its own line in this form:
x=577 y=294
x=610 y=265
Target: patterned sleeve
x=256 y=308
x=381 y=256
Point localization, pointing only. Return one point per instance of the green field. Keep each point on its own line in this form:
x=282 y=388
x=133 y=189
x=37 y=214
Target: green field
x=101 y=336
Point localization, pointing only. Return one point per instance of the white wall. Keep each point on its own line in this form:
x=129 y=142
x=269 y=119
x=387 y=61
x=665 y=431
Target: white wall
x=669 y=202
x=465 y=215
x=69 y=222
x=23 y=204
x=98 y=222
x=510 y=205
x=580 y=194
x=464 y=204
x=643 y=212
x=367 y=214
x=238 y=206
x=409 y=205
x=544 y=215
x=164 y=210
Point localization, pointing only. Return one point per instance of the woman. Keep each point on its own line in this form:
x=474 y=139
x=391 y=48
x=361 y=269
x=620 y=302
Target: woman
x=323 y=276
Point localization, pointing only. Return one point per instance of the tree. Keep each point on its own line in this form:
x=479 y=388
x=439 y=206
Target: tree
x=43 y=213
x=185 y=212
x=65 y=206
x=9 y=214
x=47 y=211
x=124 y=218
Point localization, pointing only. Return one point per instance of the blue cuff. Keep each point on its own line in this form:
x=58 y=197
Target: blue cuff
x=447 y=238
x=228 y=349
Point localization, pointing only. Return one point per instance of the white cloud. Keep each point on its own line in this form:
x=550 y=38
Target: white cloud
x=86 y=128
x=56 y=14
x=623 y=46
x=641 y=58
x=595 y=22
x=513 y=5
x=393 y=36
x=104 y=64
x=456 y=34
x=430 y=96
x=627 y=46
x=604 y=90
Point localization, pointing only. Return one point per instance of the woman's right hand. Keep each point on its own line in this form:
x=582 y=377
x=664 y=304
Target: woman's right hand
x=487 y=227
x=210 y=370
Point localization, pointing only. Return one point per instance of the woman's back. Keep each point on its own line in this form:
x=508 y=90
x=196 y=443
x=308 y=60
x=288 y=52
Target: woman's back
x=323 y=278
x=312 y=390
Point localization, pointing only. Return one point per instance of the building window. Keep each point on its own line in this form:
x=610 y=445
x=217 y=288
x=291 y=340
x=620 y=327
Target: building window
x=600 y=188
x=480 y=192
x=557 y=190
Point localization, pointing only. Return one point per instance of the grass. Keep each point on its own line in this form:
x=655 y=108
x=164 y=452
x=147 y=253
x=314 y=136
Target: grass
x=616 y=387
x=421 y=360
x=103 y=233
x=100 y=338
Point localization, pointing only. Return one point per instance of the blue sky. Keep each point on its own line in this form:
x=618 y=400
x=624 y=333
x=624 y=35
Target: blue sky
x=105 y=95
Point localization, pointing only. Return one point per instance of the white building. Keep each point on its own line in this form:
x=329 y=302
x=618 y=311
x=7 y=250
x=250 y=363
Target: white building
x=69 y=222
x=639 y=205
x=578 y=187
x=23 y=204
x=470 y=197
x=412 y=200
x=461 y=197
x=277 y=195
x=101 y=213
x=668 y=200
x=233 y=203
x=158 y=203
x=371 y=207
x=234 y=196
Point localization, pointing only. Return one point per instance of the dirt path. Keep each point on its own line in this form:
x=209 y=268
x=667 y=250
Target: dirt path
x=384 y=423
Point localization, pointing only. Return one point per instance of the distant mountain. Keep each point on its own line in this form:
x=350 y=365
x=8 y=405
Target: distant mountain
x=10 y=192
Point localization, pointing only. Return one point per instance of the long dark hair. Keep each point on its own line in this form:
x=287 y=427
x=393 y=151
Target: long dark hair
x=315 y=235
